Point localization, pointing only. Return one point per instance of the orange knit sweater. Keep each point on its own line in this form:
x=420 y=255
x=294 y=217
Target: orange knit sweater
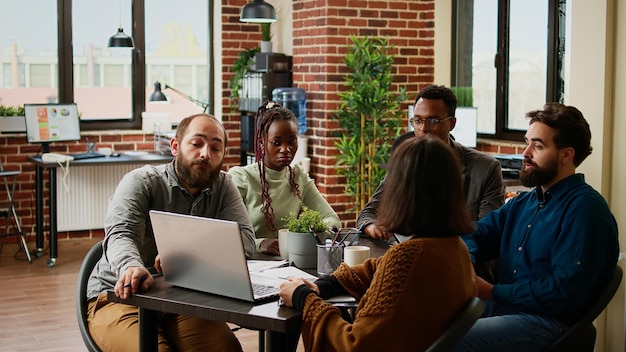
x=407 y=298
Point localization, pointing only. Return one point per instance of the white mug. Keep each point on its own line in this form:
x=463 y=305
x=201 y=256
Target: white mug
x=355 y=255
x=283 y=245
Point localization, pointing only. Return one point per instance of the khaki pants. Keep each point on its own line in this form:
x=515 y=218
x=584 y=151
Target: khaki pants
x=115 y=327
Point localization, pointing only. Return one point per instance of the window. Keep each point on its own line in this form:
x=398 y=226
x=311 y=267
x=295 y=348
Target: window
x=507 y=60
x=68 y=60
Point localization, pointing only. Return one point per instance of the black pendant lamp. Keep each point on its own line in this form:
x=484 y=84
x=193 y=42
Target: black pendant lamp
x=120 y=39
x=258 y=11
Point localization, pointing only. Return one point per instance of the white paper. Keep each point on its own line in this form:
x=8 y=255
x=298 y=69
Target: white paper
x=262 y=265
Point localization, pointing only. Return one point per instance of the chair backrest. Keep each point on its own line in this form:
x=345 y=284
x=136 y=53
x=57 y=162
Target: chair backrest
x=89 y=262
x=459 y=326
x=582 y=335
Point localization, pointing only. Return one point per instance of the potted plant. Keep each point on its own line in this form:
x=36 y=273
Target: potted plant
x=241 y=66
x=305 y=231
x=266 y=38
x=12 y=119
x=370 y=116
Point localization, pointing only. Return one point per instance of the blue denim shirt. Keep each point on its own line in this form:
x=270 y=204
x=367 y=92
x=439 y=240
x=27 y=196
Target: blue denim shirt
x=555 y=250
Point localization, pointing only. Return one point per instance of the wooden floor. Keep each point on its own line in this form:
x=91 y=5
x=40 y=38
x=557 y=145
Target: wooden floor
x=37 y=302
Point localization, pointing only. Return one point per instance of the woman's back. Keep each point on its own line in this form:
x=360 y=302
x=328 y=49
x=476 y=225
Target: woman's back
x=416 y=289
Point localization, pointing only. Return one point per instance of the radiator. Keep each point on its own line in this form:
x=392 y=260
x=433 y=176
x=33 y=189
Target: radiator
x=83 y=195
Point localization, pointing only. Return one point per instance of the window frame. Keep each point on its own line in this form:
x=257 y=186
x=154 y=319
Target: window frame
x=554 y=62
x=138 y=66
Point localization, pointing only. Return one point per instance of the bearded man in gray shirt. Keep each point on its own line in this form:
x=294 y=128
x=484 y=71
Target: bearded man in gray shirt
x=192 y=184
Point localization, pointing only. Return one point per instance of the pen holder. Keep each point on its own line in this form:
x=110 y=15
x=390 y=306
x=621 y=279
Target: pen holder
x=328 y=258
x=302 y=250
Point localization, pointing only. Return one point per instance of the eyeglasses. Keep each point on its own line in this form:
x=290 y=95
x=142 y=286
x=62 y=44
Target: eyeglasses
x=430 y=123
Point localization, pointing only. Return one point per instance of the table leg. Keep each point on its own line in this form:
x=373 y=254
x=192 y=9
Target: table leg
x=148 y=327
x=52 y=173
x=39 y=210
x=276 y=341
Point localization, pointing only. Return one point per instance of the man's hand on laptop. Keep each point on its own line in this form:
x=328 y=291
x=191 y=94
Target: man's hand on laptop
x=132 y=280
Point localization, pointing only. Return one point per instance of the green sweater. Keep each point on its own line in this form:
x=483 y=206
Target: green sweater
x=284 y=200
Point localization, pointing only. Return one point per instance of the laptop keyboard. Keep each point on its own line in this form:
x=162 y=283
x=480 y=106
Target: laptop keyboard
x=263 y=290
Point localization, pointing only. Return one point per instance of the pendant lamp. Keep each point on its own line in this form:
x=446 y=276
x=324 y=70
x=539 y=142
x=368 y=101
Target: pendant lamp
x=120 y=39
x=258 y=11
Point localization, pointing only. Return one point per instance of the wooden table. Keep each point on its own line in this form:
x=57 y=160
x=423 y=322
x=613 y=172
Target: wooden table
x=281 y=324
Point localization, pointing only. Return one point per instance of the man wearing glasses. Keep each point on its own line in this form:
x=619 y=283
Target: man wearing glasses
x=433 y=114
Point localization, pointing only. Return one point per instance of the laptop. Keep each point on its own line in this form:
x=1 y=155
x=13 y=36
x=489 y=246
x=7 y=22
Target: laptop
x=207 y=255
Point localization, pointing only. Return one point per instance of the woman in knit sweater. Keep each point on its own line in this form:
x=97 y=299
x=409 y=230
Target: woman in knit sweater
x=271 y=188
x=408 y=296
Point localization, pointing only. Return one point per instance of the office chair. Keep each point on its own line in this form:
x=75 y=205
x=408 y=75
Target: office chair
x=459 y=326
x=582 y=335
x=10 y=177
x=89 y=262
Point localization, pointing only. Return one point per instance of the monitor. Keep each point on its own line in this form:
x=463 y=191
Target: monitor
x=46 y=123
x=464 y=131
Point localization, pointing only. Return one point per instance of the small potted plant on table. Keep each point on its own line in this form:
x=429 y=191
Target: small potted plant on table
x=305 y=231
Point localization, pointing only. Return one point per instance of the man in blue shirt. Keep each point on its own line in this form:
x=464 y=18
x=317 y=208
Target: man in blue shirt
x=557 y=246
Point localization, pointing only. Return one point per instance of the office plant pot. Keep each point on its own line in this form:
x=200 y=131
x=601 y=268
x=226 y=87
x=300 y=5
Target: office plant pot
x=266 y=46
x=12 y=124
x=302 y=250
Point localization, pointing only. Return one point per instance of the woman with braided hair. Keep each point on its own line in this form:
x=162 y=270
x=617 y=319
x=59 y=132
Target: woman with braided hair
x=271 y=188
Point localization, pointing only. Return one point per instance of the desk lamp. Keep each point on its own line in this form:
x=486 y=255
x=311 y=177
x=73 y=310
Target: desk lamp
x=158 y=95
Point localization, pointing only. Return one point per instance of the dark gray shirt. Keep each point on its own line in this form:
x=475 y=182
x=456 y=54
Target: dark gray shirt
x=482 y=183
x=129 y=240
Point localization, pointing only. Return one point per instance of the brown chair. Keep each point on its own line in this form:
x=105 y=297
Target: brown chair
x=459 y=326
x=12 y=225
x=582 y=335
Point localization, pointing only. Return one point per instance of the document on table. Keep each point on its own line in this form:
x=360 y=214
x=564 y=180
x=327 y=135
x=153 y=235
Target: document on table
x=261 y=265
x=274 y=276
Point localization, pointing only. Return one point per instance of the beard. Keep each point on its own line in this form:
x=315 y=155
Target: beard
x=538 y=176
x=190 y=176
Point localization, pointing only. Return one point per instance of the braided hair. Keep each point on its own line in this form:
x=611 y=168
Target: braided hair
x=269 y=112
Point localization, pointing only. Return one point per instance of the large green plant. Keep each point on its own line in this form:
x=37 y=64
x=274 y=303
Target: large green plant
x=370 y=116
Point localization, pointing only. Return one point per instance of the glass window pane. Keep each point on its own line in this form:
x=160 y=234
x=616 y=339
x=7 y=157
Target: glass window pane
x=28 y=57
x=475 y=72
x=103 y=90
x=176 y=55
x=528 y=60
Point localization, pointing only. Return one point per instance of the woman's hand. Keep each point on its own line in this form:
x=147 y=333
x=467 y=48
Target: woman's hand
x=288 y=287
x=269 y=246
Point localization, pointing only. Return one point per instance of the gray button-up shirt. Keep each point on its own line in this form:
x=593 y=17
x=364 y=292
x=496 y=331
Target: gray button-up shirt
x=129 y=240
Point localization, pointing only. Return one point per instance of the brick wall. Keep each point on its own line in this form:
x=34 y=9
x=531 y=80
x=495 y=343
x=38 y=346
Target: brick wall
x=321 y=34
x=13 y=153
x=321 y=31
